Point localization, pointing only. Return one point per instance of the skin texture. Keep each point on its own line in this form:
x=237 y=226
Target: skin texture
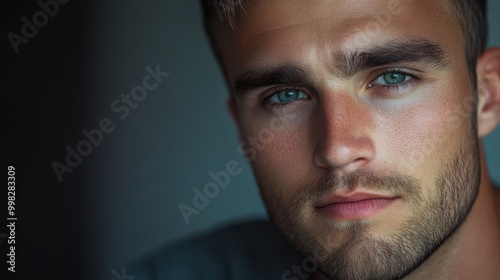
x=347 y=133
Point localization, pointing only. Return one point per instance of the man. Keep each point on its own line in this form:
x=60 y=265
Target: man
x=362 y=121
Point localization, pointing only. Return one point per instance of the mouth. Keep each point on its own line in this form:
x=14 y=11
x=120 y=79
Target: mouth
x=354 y=206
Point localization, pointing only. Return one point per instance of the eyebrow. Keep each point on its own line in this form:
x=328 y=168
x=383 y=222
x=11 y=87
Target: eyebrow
x=346 y=63
x=350 y=63
x=262 y=77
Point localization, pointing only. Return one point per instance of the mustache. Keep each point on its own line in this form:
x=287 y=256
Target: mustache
x=403 y=185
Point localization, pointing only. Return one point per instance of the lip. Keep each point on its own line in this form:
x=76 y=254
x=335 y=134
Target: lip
x=354 y=206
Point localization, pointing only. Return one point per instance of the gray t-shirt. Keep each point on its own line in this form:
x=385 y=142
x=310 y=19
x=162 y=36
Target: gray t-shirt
x=252 y=250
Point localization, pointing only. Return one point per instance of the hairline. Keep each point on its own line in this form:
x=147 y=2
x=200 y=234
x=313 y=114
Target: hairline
x=474 y=31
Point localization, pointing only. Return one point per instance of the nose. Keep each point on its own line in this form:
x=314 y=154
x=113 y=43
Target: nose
x=343 y=134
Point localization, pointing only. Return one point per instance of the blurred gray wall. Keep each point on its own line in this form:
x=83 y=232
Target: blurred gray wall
x=178 y=134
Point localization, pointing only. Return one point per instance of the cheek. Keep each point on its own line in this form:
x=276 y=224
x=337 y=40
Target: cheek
x=281 y=155
x=425 y=134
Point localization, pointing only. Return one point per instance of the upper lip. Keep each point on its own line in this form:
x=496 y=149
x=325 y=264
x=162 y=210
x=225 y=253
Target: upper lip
x=353 y=197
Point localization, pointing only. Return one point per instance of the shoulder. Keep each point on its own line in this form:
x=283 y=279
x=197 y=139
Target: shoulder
x=251 y=250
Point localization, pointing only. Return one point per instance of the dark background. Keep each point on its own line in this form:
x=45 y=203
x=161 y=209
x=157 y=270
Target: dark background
x=45 y=91
x=121 y=202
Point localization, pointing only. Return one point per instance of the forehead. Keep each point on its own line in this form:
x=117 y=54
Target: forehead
x=271 y=32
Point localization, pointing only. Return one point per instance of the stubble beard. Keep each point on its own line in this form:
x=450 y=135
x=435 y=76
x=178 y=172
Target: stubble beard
x=364 y=257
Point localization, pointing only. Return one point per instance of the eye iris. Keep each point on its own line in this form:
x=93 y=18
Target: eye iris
x=394 y=78
x=288 y=95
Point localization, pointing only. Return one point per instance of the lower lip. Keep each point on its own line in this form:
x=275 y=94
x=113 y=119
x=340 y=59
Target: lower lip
x=356 y=210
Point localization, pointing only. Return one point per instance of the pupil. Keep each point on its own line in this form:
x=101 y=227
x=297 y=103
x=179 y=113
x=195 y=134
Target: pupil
x=394 y=78
x=288 y=95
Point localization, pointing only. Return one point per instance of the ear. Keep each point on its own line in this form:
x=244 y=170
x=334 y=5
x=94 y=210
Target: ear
x=488 y=83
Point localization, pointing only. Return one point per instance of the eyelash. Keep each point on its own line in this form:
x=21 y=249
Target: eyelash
x=414 y=78
x=265 y=98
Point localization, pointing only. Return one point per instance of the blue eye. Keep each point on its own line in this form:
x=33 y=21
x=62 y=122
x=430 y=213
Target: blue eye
x=392 y=78
x=287 y=95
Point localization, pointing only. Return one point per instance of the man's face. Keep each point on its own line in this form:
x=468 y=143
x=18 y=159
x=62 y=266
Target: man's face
x=358 y=118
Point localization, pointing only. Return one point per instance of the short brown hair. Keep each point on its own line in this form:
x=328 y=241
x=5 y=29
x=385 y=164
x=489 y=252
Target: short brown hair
x=471 y=15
